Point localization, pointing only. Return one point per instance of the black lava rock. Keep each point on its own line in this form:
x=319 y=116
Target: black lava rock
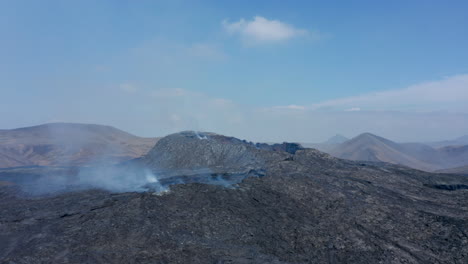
x=305 y=207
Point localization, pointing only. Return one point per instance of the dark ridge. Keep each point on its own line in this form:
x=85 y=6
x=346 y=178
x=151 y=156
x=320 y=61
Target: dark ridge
x=448 y=187
x=285 y=146
x=200 y=150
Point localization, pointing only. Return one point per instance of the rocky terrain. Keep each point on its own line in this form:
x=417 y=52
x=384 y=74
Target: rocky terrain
x=224 y=200
x=65 y=144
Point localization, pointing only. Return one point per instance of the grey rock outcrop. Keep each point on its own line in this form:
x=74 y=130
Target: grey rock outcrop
x=194 y=151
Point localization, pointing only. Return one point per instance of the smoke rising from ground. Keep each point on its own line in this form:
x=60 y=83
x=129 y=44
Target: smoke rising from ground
x=108 y=178
x=187 y=157
x=97 y=147
x=49 y=181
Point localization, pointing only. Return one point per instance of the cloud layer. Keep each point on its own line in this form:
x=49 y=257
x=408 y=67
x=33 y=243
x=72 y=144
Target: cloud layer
x=172 y=110
x=449 y=94
x=261 y=30
x=149 y=110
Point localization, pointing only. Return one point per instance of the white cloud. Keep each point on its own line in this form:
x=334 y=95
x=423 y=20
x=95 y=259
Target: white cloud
x=292 y=107
x=261 y=30
x=159 y=112
x=449 y=94
x=353 y=109
x=128 y=87
x=222 y=102
x=381 y=113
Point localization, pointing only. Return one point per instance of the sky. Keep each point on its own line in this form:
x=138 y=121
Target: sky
x=260 y=70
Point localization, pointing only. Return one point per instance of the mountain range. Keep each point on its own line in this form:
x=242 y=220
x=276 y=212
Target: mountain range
x=370 y=147
x=329 y=144
x=67 y=144
x=463 y=140
x=207 y=198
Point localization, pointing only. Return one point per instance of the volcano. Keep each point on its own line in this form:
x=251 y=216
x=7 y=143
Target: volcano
x=281 y=204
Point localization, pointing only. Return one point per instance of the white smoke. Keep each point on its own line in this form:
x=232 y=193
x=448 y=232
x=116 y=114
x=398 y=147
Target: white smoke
x=200 y=136
x=150 y=178
x=109 y=178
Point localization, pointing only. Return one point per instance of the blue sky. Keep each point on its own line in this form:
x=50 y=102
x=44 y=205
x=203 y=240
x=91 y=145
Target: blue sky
x=262 y=70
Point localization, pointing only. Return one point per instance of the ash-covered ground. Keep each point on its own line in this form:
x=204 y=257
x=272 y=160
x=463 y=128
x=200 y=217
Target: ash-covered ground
x=206 y=198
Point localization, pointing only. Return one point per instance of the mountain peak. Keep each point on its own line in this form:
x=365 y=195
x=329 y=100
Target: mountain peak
x=337 y=139
x=196 y=150
x=367 y=134
x=70 y=144
x=374 y=137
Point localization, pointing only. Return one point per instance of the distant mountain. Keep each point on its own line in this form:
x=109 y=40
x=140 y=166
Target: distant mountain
x=69 y=144
x=455 y=142
x=328 y=145
x=336 y=139
x=370 y=147
x=455 y=156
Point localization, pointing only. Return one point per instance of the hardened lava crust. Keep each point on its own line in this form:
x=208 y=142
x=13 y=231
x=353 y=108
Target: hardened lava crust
x=290 y=205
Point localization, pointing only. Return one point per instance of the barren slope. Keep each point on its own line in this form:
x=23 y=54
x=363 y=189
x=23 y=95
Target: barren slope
x=69 y=144
x=370 y=147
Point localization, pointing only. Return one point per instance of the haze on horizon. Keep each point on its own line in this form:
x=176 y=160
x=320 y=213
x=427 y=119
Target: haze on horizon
x=264 y=71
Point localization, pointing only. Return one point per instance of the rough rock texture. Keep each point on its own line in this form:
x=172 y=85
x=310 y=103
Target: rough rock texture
x=308 y=208
x=194 y=151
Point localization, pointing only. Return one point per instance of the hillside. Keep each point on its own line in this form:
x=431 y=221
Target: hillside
x=463 y=140
x=370 y=147
x=227 y=201
x=457 y=170
x=69 y=144
x=455 y=156
x=329 y=144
